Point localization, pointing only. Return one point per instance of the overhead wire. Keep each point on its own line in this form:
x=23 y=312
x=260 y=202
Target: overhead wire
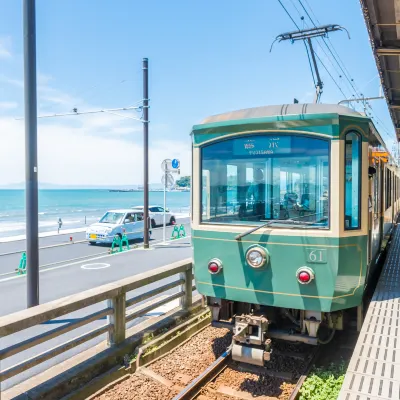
x=305 y=24
x=287 y=12
x=349 y=79
x=333 y=79
x=342 y=67
x=317 y=56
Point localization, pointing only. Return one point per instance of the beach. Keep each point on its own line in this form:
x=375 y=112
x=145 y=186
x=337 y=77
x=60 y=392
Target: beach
x=77 y=208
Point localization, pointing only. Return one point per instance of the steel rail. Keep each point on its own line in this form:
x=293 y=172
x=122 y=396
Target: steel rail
x=193 y=389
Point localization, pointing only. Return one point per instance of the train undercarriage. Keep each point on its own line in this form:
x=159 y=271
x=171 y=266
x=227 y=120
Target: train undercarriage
x=255 y=327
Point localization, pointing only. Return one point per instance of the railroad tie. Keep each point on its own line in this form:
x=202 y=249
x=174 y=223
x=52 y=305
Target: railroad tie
x=158 y=378
x=238 y=394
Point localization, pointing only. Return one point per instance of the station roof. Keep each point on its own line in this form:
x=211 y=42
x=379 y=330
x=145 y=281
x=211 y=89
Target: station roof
x=382 y=18
x=282 y=109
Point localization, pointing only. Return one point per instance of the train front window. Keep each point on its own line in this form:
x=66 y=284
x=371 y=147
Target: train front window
x=261 y=178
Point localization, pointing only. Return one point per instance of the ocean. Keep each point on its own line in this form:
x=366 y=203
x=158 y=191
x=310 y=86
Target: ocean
x=73 y=206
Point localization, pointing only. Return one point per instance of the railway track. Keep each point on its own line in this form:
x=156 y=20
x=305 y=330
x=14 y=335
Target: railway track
x=199 y=385
x=202 y=368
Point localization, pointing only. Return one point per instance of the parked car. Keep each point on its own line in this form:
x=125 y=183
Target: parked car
x=156 y=215
x=117 y=222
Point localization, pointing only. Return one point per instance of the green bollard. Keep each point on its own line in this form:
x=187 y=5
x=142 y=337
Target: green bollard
x=124 y=242
x=22 y=265
x=116 y=242
x=182 y=232
x=175 y=233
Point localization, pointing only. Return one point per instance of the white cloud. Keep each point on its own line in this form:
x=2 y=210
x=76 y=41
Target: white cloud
x=92 y=149
x=8 y=105
x=15 y=82
x=69 y=156
x=5 y=47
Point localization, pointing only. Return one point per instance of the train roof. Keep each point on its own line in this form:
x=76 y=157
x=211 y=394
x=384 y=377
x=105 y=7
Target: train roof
x=280 y=110
x=287 y=110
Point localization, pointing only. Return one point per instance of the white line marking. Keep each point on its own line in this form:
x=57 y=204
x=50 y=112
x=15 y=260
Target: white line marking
x=95 y=266
x=90 y=259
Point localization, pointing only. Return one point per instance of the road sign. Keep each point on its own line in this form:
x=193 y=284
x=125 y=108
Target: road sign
x=175 y=163
x=168 y=180
x=166 y=165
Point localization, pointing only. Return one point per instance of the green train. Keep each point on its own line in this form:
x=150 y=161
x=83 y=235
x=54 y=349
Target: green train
x=290 y=205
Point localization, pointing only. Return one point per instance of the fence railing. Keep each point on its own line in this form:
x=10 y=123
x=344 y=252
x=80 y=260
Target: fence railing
x=115 y=311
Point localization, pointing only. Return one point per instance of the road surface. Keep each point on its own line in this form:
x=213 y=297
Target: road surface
x=57 y=249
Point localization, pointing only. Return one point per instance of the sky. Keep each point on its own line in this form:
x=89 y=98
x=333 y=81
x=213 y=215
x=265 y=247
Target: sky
x=205 y=57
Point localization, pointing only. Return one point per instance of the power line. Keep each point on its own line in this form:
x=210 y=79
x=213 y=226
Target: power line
x=343 y=68
x=326 y=69
x=350 y=83
x=287 y=12
x=318 y=41
x=350 y=80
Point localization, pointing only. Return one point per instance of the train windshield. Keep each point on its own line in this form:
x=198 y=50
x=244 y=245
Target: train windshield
x=261 y=178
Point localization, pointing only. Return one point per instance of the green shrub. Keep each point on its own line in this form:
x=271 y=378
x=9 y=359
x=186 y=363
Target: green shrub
x=324 y=383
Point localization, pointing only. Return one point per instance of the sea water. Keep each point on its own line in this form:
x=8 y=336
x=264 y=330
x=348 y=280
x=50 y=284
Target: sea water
x=74 y=206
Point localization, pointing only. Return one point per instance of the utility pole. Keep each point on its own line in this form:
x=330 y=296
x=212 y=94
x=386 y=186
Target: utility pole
x=31 y=165
x=146 y=151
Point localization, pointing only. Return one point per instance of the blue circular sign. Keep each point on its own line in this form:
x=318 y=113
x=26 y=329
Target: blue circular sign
x=175 y=163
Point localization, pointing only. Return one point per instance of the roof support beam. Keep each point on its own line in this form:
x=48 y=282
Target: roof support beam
x=382 y=51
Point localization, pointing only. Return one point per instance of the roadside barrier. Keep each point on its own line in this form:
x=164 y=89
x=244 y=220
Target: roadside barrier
x=21 y=270
x=121 y=242
x=121 y=307
x=178 y=232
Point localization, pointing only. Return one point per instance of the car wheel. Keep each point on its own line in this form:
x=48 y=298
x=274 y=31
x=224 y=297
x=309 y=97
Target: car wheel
x=153 y=223
x=172 y=221
x=92 y=243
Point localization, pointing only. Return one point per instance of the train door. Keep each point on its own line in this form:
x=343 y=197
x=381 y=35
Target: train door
x=370 y=208
x=375 y=229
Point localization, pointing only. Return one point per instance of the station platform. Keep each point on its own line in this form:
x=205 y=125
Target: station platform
x=374 y=369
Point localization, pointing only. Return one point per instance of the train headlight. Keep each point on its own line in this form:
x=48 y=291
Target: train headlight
x=214 y=266
x=305 y=275
x=256 y=256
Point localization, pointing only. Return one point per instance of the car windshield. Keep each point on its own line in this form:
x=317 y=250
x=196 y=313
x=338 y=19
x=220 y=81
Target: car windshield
x=112 y=217
x=254 y=179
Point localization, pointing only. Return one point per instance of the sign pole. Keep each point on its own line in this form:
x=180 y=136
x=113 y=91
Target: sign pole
x=165 y=203
x=31 y=176
x=146 y=151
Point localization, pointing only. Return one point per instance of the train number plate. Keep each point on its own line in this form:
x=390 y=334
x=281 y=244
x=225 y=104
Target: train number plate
x=316 y=256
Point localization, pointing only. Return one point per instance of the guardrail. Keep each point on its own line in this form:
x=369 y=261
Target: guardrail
x=116 y=313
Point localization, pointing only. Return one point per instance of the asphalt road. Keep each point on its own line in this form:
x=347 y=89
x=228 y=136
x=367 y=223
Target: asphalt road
x=70 y=277
x=57 y=249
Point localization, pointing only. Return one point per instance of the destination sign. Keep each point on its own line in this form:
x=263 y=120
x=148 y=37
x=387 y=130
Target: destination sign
x=262 y=146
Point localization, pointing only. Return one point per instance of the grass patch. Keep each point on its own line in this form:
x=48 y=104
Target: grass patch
x=324 y=383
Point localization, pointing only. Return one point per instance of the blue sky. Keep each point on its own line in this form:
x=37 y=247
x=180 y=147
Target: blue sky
x=205 y=58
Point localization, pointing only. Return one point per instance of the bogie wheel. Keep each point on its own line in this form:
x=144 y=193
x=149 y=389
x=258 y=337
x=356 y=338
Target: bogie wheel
x=153 y=223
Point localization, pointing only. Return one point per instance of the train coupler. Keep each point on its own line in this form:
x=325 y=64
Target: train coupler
x=250 y=344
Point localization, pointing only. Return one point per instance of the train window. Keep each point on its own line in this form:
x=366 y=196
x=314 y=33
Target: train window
x=254 y=179
x=352 y=181
x=377 y=198
x=388 y=192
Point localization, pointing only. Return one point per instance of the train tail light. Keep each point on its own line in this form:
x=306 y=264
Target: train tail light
x=305 y=275
x=214 y=266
